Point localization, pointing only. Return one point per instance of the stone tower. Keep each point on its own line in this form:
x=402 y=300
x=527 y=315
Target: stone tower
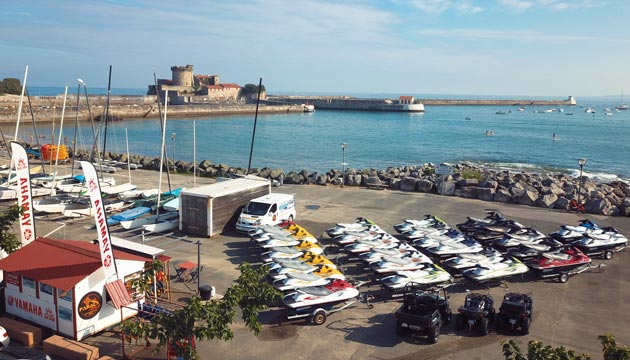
x=182 y=75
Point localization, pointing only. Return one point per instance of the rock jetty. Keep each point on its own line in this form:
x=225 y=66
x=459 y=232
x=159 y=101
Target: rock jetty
x=553 y=191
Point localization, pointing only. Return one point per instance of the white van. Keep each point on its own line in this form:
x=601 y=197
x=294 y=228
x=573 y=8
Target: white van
x=266 y=210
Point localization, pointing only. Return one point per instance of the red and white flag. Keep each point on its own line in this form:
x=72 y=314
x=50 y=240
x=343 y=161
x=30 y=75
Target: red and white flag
x=24 y=196
x=104 y=239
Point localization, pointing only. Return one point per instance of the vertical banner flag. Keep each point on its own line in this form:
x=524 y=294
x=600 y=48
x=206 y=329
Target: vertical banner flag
x=24 y=197
x=104 y=239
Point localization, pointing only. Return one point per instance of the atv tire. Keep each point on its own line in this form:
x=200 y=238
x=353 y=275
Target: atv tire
x=525 y=326
x=459 y=322
x=400 y=330
x=499 y=322
x=433 y=334
x=483 y=326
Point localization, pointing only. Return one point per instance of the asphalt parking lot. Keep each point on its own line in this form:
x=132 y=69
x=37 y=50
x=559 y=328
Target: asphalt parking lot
x=572 y=314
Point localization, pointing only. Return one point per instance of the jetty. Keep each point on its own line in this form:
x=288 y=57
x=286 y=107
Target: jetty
x=417 y=105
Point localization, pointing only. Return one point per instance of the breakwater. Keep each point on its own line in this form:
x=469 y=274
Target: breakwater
x=553 y=191
x=351 y=103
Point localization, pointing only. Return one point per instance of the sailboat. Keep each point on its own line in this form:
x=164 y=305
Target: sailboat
x=621 y=106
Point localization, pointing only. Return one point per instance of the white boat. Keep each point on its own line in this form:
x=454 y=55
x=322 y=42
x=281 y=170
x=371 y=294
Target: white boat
x=79 y=187
x=11 y=192
x=162 y=225
x=146 y=220
x=53 y=204
x=75 y=209
x=118 y=189
x=281 y=252
x=426 y=275
x=172 y=205
x=497 y=270
x=337 y=291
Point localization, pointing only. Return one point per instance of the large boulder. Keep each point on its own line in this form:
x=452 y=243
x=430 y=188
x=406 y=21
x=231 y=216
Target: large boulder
x=562 y=203
x=446 y=187
x=546 y=200
x=468 y=192
x=490 y=184
x=354 y=179
x=408 y=183
x=502 y=195
x=486 y=193
x=529 y=197
x=599 y=206
x=424 y=185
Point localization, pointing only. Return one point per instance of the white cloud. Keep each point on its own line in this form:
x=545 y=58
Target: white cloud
x=556 y=5
x=440 y=6
x=524 y=35
x=516 y=5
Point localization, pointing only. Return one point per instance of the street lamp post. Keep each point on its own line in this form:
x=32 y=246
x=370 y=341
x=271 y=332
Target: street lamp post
x=343 y=163
x=173 y=135
x=581 y=162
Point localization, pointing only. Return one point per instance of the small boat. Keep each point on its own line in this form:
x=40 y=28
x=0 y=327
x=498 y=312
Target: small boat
x=426 y=275
x=172 y=205
x=11 y=192
x=146 y=220
x=128 y=215
x=78 y=209
x=337 y=291
x=118 y=189
x=162 y=225
x=589 y=110
x=309 y=107
x=501 y=112
x=487 y=271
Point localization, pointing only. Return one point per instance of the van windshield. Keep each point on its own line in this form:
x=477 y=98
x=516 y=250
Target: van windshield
x=255 y=208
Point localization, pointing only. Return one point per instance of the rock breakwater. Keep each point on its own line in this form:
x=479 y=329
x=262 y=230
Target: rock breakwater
x=553 y=191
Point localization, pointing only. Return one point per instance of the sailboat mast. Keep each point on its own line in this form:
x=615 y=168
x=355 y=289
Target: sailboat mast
x=251 y=148
x=17 y=125
x=109 y=91
x=164 y=153
x=194 y=153
x=76 y=127
x=63 y=112
x=162 y=157
x=128 y=161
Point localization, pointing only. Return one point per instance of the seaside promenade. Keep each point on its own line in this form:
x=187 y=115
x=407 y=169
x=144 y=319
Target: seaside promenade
x=572 y=314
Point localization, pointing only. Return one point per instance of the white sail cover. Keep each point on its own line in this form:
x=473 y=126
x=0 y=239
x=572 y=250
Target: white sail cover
x=104 y=239
x=24 y=196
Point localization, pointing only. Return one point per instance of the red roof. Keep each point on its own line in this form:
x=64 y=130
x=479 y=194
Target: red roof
x=406 y=97
x=65 y=263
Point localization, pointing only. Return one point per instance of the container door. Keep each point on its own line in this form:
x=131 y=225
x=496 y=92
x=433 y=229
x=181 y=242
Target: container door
x=194 y=215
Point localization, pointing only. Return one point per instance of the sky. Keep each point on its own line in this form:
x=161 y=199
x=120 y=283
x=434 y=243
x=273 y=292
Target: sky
x=477 y=47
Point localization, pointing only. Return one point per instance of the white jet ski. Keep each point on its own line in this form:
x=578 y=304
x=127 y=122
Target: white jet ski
x=491 y=271
x=371 y=233
x=602 y=244
x=530 y=236
x=296 y=280
x=365 y=245
x=281 y=252
x=340 y=228
x=390 y=264
x=377 y=253
x=464 y=261
x=337 y=291
x=426 y=275
x=411 y=224
x=433 y=240
x=450 y=248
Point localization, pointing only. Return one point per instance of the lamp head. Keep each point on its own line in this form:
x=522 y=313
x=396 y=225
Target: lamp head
x=344 y=146
x=582 y=161
x=80 y=81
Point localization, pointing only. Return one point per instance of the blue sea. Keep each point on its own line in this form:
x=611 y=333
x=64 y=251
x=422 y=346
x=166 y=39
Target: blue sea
x=521 y=140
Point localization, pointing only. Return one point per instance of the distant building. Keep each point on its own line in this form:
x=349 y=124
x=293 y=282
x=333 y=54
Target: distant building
x=186 y=88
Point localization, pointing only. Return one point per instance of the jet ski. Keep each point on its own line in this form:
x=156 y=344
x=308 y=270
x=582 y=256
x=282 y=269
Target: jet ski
x=340 y=228
x=296 y=280
x=370 y=233
x=562 y=263
x=279 y=229
x=569 y=233
x=465 y=261
x=293 y=231
x=602 y=244
x=377 y=253
x=487 y=271
x=472 y=224
x=337 y=291
x=281 y=252
x=278 y=241
x=416 y=233
x=329 y=272
x=426 y=275
x=281 y=267
x=410 y=224
x=527 y=251
x=450 y=248
x=433 y=240
x=390 y=264
x=365 y=245
x=529 y=236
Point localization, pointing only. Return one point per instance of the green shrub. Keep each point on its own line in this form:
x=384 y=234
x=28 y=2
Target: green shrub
x=472 y=174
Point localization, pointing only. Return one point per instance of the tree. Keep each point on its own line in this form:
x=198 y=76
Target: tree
x=9 y=242
x=251 y=89
x=10 y=86
x=536 y=350
x=209 y=320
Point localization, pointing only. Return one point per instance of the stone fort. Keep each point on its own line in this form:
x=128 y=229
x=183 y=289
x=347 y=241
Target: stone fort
x=185 y=88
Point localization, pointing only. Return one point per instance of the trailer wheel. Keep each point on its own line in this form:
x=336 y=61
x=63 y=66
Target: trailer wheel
x=608 y=255
x=564 y=277
x=319 y=317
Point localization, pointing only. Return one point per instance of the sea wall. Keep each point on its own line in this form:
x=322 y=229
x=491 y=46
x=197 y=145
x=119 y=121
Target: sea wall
x=553 y=191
